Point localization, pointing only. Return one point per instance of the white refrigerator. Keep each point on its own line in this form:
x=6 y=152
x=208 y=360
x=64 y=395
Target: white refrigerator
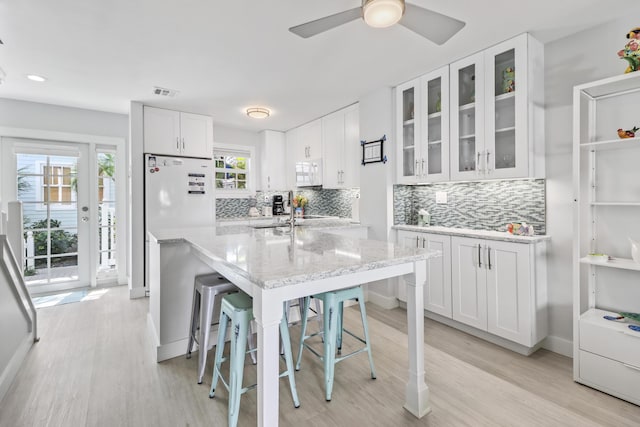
x=178 y=193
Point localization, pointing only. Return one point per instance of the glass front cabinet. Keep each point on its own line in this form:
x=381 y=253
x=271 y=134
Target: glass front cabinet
x=423 y=128
x=497 y=127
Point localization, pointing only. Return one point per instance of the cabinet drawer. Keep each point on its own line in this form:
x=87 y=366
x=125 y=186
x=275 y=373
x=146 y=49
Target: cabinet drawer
x=613 y=377
x=609 y=339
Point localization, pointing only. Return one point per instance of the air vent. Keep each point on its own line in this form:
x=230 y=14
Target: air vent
x=161 y=91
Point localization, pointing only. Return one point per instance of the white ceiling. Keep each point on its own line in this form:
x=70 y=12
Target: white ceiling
x=224 y=56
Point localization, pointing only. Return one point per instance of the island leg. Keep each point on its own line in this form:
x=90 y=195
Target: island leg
x=417 y=392
x=267 y=311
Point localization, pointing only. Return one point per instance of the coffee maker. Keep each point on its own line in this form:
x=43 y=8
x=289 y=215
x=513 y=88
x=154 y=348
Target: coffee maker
x=278 y=205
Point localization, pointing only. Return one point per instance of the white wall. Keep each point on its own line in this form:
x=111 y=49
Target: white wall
x=376 y=182
x=579 y=58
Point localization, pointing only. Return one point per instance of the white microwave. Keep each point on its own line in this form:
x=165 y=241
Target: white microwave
x=308 y=173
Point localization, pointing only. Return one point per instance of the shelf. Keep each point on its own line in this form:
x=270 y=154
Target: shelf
x=408 y=147
x=468 y=106
x=611 y=144
x=434 y=142
x=504 y=96
x=611 y=86
x=596 y=316
x=621 y=263
x=408 y=122
x=470 y=136
x=614 y=203
x=434 y=115
x=508 y=129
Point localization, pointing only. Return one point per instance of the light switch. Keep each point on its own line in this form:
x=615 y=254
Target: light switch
x=441 y=197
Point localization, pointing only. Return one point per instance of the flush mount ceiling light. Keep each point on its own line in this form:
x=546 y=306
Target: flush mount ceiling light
x=258 y=112
x=382 y=13
x=36 y=78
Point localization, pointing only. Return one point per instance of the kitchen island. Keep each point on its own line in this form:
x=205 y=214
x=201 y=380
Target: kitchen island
x=274 y=267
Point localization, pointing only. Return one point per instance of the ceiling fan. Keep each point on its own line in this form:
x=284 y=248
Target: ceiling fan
x=431 y=25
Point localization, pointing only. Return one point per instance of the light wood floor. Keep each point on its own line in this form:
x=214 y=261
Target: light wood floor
x=93 y=367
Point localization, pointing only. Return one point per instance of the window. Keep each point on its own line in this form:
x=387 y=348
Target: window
x=57 y=184
x=233 y=170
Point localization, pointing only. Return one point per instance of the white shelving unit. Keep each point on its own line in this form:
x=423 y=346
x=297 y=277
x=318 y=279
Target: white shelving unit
x=607 y=205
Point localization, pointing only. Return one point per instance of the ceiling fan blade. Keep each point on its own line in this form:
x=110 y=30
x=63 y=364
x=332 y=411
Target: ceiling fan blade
x=321 y=25
x=429 y=24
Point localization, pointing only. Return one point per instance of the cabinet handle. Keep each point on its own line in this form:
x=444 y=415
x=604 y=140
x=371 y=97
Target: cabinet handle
x=417 y=241
x=183 y=143
x=269 y=182
x=416 y=171
x=487 y=164
x=478 y=168
x=489 y=256
x=177 y=143
x=422 y=170
x=424 y=243
x=479 y=259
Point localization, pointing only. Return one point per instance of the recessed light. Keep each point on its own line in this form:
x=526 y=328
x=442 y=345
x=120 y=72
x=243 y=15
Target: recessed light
x=258 y=112
x=36 y=78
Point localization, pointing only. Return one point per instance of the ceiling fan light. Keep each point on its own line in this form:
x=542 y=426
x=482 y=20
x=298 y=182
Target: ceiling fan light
x=258 y=113
x=383 y=13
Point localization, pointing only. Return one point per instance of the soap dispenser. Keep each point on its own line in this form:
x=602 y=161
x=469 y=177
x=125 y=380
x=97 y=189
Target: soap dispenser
x=424 y=218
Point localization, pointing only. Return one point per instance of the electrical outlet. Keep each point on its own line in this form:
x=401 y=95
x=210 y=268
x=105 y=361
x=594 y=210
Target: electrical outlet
x=441 y=197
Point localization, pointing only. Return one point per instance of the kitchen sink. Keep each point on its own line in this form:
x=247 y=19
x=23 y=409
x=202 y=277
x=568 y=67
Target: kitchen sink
x=270 y=225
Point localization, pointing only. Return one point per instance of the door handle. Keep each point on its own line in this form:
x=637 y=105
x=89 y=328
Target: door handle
x=489 y=256
x=479 y=257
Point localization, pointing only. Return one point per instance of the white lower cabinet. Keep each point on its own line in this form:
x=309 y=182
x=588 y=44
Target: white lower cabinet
x=437 y=293
x=494 y=289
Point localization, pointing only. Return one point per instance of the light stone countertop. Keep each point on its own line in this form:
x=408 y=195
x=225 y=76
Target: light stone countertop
x=270 y=259
x=480 y=234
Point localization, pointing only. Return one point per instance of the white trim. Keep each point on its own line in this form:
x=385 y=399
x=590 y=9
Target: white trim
x=386 y=302
x=558 y=345
x=9 y=132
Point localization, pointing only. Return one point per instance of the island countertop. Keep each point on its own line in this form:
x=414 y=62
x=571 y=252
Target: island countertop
x=270 y=259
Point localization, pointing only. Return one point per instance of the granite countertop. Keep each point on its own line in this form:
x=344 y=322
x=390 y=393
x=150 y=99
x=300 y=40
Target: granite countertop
x=482 y=234
x=270 y=259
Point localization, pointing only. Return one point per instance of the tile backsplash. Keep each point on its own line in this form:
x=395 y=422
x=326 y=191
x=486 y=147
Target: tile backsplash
x=483 y=205
x=321 y=202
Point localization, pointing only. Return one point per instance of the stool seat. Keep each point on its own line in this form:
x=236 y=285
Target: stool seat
x=237 y=308
x=208 y=290
x=333 y=303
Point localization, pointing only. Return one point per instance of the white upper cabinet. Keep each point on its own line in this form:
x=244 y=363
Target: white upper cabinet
x=173 y=133
x=341 y=148
x=272 y=161
x=304 y=152
x=497 y=98
x=423 y=128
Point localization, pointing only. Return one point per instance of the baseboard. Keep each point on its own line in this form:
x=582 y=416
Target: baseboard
x=137 y=292
x=558 y=345
x=10 y=372
x=382 y=300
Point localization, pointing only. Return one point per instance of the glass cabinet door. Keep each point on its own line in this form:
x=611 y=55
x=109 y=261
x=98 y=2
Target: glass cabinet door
x=434 y=162
x=406 y=104
x=506 y=122
x=467 y=115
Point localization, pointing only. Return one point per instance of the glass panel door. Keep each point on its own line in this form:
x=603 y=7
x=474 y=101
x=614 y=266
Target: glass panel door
x=106 y=210
x=409 y=161
x=505 y=110
x=434 y=126
x=467 y=119
x=52 y=189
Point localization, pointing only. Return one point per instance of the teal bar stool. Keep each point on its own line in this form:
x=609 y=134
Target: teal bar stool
x=333 y=303
x=237 y=309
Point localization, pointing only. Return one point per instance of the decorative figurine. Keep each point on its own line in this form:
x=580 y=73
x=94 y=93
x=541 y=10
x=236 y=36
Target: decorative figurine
x=508 y=80
x=631 y=51
x=631 y=133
